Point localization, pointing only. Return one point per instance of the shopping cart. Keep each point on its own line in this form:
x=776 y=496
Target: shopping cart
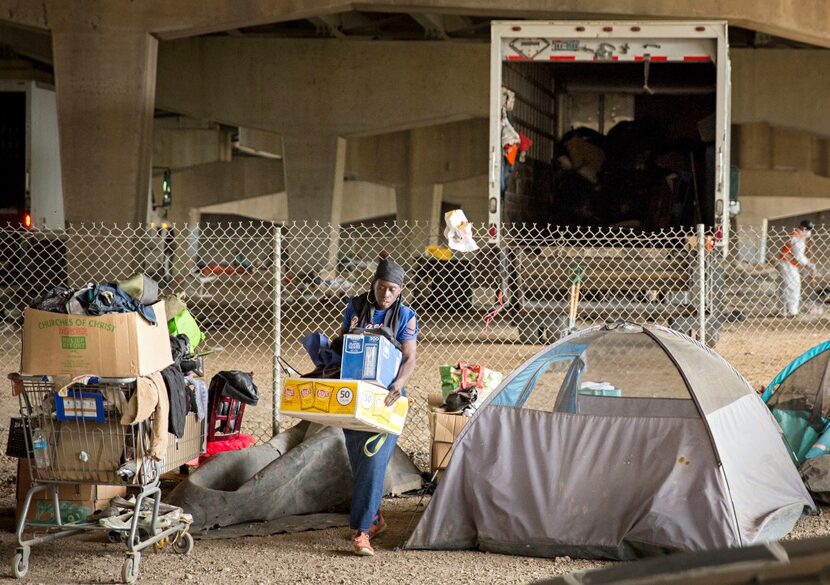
x=76 y=437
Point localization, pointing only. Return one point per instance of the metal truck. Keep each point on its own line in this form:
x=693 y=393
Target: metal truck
x=32 y=199
x=609 y=142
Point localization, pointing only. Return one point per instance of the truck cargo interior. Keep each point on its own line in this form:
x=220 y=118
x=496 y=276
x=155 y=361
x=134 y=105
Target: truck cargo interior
x=614 y=144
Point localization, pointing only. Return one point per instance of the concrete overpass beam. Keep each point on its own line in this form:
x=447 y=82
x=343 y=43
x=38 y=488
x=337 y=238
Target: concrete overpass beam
x=335 y=88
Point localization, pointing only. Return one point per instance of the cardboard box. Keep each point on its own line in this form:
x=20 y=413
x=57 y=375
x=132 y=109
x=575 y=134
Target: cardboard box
x=77 y=500
x=86 y=451
x=117 y=345
x=371 y=358
x=445 y=429
x=350 y=404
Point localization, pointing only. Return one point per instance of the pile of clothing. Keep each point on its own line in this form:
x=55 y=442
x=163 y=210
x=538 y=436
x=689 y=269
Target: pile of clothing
x=167 y=395
x=134 y=294
x=515 y=144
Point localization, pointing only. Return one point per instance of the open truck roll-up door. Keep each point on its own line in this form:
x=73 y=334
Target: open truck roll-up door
x=677 y=70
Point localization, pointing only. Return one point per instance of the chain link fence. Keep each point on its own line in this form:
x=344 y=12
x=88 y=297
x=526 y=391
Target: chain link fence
x=257 y=288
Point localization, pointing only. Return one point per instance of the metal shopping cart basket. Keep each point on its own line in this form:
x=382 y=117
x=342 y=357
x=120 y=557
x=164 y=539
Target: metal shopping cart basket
x=76 y=437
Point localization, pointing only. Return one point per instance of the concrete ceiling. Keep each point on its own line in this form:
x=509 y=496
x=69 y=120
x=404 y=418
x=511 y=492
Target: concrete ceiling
x=25 y=26
x=35 y=45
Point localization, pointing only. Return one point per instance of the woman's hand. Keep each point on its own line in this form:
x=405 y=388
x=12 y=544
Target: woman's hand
x=394 y=394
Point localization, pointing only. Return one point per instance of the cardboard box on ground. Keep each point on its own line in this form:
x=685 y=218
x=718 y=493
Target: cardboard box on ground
x=112 y=346
x=77 y=500
x=445 y=429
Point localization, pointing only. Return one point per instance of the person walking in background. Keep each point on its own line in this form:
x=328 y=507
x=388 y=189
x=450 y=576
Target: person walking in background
x=791 y=260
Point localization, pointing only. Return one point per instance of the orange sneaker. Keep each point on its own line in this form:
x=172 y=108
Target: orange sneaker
x=378 y=526
x=361 y=546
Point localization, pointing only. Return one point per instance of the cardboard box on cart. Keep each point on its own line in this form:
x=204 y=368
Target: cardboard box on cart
x=351 y=404
x=77 y=500
x=117 y=345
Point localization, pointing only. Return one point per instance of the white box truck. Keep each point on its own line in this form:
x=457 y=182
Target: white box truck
x=32 y=253
x=597 y=125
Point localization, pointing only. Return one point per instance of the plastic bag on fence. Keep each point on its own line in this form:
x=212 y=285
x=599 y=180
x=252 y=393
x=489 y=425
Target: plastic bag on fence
x=459 y=231
x=464 y=376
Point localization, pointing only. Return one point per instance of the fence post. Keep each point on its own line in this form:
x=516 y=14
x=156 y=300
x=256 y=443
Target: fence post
x=762 y=248
x=277 y=263
x=701 y=277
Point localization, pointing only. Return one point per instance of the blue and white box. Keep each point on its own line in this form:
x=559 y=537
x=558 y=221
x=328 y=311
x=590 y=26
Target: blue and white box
x=372 y=358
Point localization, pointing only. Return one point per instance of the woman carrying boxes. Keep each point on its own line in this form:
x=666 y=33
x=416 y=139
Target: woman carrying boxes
x=378 y=310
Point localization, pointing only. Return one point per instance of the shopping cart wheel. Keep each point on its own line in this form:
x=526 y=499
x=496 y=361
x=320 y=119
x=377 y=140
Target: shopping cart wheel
x=129 y=570
x=183 y=544
x=20 y=563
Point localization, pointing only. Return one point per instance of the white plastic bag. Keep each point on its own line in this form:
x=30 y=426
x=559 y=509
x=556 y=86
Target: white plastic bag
x=459 y=231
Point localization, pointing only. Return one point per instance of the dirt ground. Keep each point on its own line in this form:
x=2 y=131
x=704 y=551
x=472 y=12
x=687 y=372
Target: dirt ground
x=304 y=558
x=323 y=556
x=309 y=557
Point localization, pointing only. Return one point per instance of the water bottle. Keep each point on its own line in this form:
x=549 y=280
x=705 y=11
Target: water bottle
x=40 y=448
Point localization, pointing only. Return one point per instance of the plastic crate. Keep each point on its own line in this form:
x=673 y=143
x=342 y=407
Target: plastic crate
x=16 y=445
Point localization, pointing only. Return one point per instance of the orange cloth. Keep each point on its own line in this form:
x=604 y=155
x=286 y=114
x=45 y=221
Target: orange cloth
x=786 y=254
x=510 y=152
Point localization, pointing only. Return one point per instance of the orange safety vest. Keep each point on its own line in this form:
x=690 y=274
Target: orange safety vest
x=786 y=254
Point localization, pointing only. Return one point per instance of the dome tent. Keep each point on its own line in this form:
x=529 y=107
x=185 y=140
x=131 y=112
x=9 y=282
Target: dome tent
x=616 y=442
x=799 y=399
x=796 y=397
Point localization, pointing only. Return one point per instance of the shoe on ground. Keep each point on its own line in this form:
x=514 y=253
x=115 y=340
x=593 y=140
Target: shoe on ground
x=378 y=526
x=361 y=546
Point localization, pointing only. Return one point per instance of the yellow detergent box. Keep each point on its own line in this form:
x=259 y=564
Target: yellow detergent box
x=350 y=404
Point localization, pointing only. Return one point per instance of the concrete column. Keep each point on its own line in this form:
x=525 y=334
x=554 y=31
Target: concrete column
x=314 y=167
x=419 y=199
x=105 y=84
x=421 y=203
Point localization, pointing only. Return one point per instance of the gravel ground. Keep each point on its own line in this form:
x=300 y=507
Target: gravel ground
x=310 y=557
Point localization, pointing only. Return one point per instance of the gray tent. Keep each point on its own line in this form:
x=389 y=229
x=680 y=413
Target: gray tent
x=616 y=442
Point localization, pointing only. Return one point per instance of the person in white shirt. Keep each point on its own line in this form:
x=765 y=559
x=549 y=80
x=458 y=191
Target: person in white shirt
x=791 y=260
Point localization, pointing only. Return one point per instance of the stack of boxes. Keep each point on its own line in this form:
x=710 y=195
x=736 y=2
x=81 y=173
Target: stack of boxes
x=445 y=428
x=116 y=345
x=369 y=365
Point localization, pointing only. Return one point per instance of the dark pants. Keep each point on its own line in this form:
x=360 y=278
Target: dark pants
x=367 y=476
